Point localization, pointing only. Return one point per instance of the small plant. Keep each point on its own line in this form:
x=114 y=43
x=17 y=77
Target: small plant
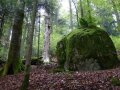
x=85 y=22
x=115 y=81
x=58 y=69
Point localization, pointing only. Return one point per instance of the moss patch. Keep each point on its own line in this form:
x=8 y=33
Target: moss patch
x=115 y=81
x=34 y=61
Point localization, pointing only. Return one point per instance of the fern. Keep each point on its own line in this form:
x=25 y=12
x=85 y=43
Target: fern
x=85 y=22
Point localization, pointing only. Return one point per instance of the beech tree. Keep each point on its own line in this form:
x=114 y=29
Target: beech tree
x=29 y=48
x=49 y=11
x=71 y=17
x=12 y=65
x=46 y=39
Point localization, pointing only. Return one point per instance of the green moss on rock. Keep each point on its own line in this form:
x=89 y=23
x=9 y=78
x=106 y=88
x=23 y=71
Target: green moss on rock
x=34 y=61
x=87 y=49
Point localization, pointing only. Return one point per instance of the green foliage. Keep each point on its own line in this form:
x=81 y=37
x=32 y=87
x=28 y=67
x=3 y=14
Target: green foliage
x=18 y=66
x=21 y=66
x=115 y=81
x=55 y=37
x=116 y=41
x=61 y=47
x=1 y=71
x=85 y=22
x=36 y=61
x=58 y=69
x=3 y=54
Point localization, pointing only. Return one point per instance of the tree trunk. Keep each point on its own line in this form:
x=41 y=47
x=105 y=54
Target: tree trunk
x=29 y=49
x=7 y=40
x=27 y=28
x=12 y=65
x=23 y=42
x=81 y=9
x=116 y=13
x=71 y=18
x=38 y=53
x=1 y=24
x=46 y=39
x=89 y=11
x=35 y=37
x=77 y=17
x=1 y=27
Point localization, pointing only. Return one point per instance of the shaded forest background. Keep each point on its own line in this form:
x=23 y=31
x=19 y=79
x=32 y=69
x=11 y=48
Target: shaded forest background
x=105 y=14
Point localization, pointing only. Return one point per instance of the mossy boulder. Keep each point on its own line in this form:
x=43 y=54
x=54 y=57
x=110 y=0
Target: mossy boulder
x=34 y=61
x=87 y=49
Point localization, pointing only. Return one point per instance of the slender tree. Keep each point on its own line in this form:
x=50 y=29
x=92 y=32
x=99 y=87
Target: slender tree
x=24 y=35
x=81 y=9
x=71 y=17
x=1 y=17
x=13 y=63
x=38 y=52
x=116 y=13
x=76 y=8
x=1 y=23
x=29 y=49
x=89 y=11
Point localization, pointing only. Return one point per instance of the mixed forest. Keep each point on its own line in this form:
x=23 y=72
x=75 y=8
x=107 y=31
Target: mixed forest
x=59 y=44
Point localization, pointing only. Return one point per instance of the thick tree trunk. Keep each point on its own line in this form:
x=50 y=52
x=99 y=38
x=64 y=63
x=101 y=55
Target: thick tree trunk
x=47 y=40
x=116 y=13
x=12 y=65
x=71 y=18
x=29 y=49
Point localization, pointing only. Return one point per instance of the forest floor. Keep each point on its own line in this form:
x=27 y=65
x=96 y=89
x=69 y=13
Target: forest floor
x=41 y=78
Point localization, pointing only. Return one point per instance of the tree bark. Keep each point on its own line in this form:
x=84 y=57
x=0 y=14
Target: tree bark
x=89 y=11
x=47 y=39
x=77 y=17
x=1 y=24
x=38 y=53
x=116 y=13
x=27 y=28
x=81 y=9
x=12 y=65
x=25 y=83
x=71 y=18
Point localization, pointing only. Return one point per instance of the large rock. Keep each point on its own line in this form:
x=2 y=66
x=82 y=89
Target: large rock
x=87 y=49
